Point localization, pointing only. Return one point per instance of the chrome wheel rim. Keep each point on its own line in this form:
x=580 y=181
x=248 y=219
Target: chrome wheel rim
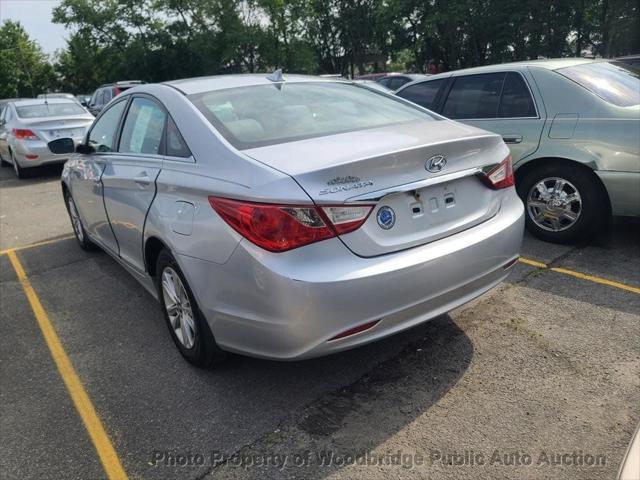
x=554 y=204
x=178 y=307
x=75 y=220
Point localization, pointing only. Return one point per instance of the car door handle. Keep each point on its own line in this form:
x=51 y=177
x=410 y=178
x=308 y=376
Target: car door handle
x=512 y=138
x=143 y=179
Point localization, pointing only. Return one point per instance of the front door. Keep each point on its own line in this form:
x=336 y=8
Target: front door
x=86 y=183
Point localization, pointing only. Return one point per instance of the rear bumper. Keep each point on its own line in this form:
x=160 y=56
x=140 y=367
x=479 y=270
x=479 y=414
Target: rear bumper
x=288 y=306
x=624 y=191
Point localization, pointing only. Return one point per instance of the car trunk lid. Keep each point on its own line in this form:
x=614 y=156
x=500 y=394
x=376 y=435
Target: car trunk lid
x=387 y=167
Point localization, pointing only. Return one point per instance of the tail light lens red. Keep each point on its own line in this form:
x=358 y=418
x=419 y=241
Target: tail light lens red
x=501 y=176
x=24 y=134
x=279 y=228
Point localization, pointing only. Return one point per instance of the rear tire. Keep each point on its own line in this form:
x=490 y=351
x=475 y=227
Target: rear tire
x=3 y=162
x=563 y=203
x=187 y=326
x=78 y=229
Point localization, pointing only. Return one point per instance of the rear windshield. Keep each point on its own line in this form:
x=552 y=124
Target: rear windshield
x=614 y=82
x=255 y=116
x=50 y=110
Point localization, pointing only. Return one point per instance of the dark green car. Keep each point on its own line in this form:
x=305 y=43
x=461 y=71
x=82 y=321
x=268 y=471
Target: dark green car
x=573 y=128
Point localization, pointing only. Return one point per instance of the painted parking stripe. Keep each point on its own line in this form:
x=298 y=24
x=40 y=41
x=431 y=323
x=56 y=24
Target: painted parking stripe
x=108 y=456
x=36 y=244
x=582 y=276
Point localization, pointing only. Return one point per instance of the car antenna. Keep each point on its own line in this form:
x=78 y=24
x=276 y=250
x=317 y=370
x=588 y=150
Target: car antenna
x=277 y=78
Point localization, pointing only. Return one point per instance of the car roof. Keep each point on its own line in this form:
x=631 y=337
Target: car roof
x=196 y=85
x=550 y=64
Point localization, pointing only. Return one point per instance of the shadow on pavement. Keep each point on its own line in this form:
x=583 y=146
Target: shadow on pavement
x=152 y=401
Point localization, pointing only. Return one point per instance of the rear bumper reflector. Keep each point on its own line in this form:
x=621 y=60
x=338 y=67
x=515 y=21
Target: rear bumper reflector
x=354 y=330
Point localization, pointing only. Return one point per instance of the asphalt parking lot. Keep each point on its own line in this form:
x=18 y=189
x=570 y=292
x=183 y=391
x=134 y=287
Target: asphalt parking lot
x=539 y=378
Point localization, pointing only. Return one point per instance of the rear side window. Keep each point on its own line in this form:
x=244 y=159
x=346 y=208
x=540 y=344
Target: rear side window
x=175 y=144
x=143 y=128
x=614 y=82
x=516 y=99
x=424 y=94
x=474 y=96
x=104 y=129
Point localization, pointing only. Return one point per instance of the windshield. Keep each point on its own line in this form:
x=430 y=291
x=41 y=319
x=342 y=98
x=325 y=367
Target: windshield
x=255 y=116
x=614 y=82
x=50 y=110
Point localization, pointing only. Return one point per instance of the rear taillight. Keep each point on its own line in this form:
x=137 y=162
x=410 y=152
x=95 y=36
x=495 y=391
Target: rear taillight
x=501 y=176
x=24 y=134
x=279 y=228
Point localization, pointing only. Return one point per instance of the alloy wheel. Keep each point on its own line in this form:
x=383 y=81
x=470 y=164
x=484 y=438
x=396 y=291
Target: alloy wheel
x=554 y=204
x=178 y=306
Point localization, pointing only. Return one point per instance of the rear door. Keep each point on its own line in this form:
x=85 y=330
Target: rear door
x=130 y=175
x=500 y=102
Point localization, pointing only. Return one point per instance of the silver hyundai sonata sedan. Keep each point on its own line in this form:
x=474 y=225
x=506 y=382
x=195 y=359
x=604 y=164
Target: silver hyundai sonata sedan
x=293 y=217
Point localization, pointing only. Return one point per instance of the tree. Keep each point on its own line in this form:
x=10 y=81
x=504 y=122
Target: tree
x=24 y=69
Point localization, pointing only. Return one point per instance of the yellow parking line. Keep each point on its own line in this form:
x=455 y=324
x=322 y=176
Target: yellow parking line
x=108 y=456
x=37 y=244
x=583 y=276
x=533 y=263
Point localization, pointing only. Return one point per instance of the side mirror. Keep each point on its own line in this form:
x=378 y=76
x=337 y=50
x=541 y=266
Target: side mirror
x=62 y=146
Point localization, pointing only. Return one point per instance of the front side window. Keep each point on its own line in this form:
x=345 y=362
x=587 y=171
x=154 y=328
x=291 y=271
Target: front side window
x=614 y=82
x=104 y=129
x=516 y=99
x=50 y=110
x=255 y=116
x=143 y=128
x=424 y=94
x=474 y=96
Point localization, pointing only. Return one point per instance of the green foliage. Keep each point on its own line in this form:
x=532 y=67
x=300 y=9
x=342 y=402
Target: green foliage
x=24 y=69
x=157 y=40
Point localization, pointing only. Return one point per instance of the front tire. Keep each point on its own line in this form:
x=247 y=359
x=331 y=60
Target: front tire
x=563 y=203
x=187 y=326
x=78 y=229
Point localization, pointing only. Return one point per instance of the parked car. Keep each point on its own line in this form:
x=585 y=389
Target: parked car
x=104 y=94
x=84 y=99
x=394 y=81
x=573 y=129
x=633 y=60
x=26 y=127
x=263 y=211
